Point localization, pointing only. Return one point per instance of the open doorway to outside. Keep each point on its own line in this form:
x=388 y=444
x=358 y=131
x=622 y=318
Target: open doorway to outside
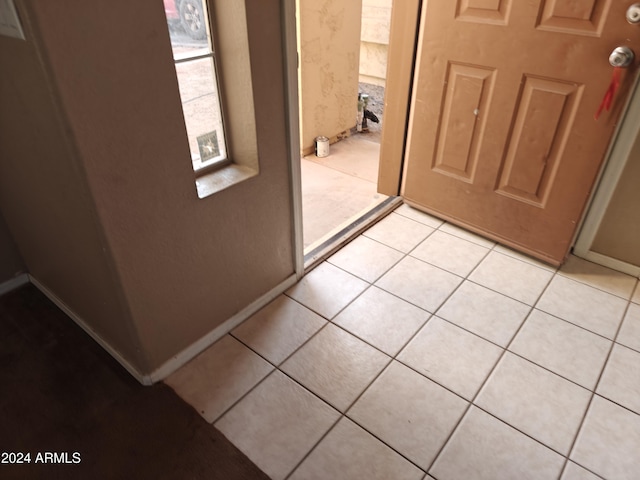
x=342 y=48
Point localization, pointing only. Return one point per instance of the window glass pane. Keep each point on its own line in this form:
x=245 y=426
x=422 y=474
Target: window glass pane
x=191 y=40
x=187 y=20
x=202 y=112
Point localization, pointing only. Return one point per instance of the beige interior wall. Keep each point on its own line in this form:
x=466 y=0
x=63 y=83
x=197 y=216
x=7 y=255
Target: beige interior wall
x=136 y=245
x=374 y=40
x=619 y=233
x=44 y=195
x=329 y=50
x=11 y=263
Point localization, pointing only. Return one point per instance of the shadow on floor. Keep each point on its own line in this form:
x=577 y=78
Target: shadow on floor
x=63 y=394
x=339 y=188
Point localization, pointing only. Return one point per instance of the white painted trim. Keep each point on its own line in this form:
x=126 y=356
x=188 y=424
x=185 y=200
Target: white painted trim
x=205 y=342
x=293 y=125
x=15 y=282
x=616 y=161
x=143 y=379
x=613 y=263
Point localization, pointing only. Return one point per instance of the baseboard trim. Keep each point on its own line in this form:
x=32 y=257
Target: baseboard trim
x=185 y=355
x=15 y=282
x=220 y=331
x=611 y=263
x=143 y=379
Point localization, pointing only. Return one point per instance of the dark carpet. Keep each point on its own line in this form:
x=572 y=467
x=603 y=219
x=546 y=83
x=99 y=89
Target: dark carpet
x=64 y=400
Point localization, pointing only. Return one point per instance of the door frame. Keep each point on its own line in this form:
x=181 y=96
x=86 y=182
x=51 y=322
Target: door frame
x=406 y=18
x=403 y=42
x=614 y=163
x=293 y=126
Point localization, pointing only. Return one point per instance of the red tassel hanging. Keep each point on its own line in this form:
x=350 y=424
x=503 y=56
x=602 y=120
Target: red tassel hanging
x=611 y=92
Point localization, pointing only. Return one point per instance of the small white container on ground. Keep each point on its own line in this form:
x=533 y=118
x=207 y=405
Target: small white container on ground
x=322 y=146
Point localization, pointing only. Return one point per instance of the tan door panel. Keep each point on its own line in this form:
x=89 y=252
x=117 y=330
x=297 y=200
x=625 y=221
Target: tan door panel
x=502 y=137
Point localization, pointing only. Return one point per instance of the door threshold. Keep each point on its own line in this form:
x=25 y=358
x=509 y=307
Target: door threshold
x=326 y=246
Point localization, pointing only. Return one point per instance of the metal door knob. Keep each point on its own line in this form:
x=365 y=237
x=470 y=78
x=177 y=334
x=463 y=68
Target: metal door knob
x=621 y=57
x=633 y=13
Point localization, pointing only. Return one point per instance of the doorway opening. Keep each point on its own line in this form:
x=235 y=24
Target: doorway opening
x=342 y=50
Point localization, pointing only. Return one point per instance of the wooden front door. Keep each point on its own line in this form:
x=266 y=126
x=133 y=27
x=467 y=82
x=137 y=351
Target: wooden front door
x=502 y=137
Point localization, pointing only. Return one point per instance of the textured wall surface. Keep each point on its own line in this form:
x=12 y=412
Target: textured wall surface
x=97 y=185
x=374 y=36
x=329 y=46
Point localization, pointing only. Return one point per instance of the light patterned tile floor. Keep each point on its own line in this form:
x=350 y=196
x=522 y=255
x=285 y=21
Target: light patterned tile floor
x=424 y=351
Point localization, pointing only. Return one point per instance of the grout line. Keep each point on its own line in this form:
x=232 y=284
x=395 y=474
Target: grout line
x=616 y=403
x=486 y=380
x=614 y=272
x=394 y=357
x=575 y=280
x=515 y=354
x=370 y=282
x=595 y=388
x=433 y=230
x=576 y=325
x=344 y=414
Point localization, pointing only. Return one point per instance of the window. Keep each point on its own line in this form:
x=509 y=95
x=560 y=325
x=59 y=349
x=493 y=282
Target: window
x=213 y=66
x=195 y=61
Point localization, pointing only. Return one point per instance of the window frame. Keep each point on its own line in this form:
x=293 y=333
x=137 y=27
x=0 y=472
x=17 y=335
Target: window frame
x=231 y=45
x=208 y=51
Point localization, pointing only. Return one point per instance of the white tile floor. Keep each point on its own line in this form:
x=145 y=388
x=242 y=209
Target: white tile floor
x=421 y=351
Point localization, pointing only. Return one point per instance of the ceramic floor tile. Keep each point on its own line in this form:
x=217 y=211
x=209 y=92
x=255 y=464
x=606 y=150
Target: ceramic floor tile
x=484 y=312
x=350 y=453
x=383 y=320
x=419 y=283
x=598 y=276
x=609 y=441
x=450 y=253
x=524 y=257
x=327 y=289
x=484 y=448
x=399 y=232
x=278 y=329
x=408 y=412
x=563 y=348
x=449 y=355
x=636 y=295
x=277 y=424
x=218 y=377
x=629 y=334
x=620 y=381
x=576 y=472
x=583 y=305
x=511 y=277
x=366 y=258
x=336 y=366
x=466 y=235
x=535 y=401
x=415 y=214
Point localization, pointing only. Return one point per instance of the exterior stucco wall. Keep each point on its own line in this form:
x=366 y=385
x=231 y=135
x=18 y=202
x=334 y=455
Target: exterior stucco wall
x=374 y=40
x=329 y=49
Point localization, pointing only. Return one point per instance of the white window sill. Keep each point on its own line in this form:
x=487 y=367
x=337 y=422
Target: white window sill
x=218 y=180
